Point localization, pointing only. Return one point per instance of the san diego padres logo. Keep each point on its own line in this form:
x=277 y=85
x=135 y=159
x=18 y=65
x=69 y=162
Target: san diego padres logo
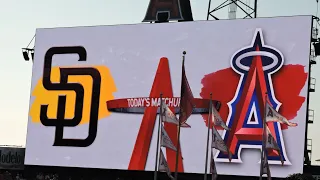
x=70 y=96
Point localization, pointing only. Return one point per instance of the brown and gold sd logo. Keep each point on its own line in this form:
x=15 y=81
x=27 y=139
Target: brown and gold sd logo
x=70 y=96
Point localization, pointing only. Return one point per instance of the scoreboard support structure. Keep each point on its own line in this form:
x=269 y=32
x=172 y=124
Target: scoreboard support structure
x=250 y=11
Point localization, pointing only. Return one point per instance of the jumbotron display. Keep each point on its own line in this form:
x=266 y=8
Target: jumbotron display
x=96 y=92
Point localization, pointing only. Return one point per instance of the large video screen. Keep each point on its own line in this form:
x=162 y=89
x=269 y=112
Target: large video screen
x=96 y=91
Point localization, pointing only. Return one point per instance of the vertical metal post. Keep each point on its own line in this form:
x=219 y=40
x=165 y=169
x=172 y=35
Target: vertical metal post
x=208 y=134
x=255 y=8
x=308 y=100
x=177 y=155
x=179 y=126
x=208 y=13
x=158 y=137
x=263 y=152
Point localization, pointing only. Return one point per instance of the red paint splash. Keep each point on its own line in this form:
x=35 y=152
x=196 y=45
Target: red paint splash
x=287 y=84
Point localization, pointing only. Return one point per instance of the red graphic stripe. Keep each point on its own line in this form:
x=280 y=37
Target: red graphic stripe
x=123 y=103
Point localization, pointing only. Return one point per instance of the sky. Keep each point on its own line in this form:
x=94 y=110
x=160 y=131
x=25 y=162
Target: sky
x=19 y=20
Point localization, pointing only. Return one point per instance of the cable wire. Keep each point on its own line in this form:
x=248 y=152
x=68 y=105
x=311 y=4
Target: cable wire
x=31 y=41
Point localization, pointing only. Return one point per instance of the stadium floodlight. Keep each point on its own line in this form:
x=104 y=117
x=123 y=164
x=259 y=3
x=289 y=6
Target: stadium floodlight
x=25 y=53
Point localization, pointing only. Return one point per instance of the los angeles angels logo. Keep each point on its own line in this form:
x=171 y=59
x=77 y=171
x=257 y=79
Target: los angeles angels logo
x=255 y=64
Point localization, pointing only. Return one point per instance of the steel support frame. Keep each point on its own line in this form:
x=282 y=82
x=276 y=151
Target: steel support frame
x=237 y=2
x=307 y=159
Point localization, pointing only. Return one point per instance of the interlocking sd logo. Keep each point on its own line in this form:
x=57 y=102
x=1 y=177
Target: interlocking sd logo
x=72 y=96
